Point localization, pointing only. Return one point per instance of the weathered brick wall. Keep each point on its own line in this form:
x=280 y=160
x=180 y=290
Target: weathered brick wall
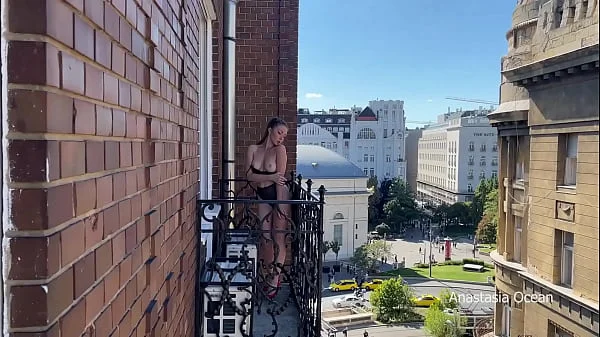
x=266 y=75
x=103 y=167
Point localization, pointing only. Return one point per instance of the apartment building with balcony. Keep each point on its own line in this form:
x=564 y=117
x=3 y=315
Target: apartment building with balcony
x=120 y=121
x=372 y=138
x=454 y=155
x=548 y=130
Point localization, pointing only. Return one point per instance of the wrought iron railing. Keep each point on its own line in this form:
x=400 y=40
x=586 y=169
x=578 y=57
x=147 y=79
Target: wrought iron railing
x=484 y=327
x=238 y=290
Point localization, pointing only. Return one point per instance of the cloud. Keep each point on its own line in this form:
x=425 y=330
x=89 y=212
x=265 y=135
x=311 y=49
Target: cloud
x=313 y=95
x=429 y=100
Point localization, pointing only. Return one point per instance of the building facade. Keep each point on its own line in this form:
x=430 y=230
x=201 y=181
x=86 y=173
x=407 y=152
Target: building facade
x=345 y=215
x=454 y=155
x=412 y=157
x=372 y=138
x=548 y=130
x=112 y=116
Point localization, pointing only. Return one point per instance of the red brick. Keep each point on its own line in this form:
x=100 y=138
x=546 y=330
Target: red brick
x=27 y=306
x=103 y=259
x=136 y=153
x=73 y=78
x=124 y=212
x=130 y=67
x=120 y=6
x=78 y=4
x=118 y=307
x=94 y=154
x=131 y=11
x=125 y=154
x=104 y=190
x=72 y=241
x=103 y=121
x=94 y=10
x=118 y=59
x=131 y=180
x=119 y=246
x=111 y=21
x=84 y=38
x=119 y=123
x=72 y=158
x=94 y=230
x=130 y=237
x=124 y=33
x=111 y=89
x=111 y=155
x=94 y=82
x=119 y=186
x=111 y=220
x=111 y=285
x=143 y=79
x=60 y=294
x=39 y=111
x=104 y=323
x=34 y=258
x=84 y=274
x=26 y=62
x=60 y=204
x=73 y=323
x=136 y=99
x=124 y=94
x=103 y=49
x=94 y=301
x=85 y=117
x=85 y=192
x=124 y=271
x=60 y=21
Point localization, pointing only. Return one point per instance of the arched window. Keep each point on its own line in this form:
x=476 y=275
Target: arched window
x=338 y=216
x=366 y=133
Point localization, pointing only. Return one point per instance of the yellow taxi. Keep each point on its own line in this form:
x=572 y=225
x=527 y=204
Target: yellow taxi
x=342 y=285
x=372 y=284
x=425 y=300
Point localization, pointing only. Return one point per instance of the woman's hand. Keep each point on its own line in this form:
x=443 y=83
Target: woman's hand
x=278 y=178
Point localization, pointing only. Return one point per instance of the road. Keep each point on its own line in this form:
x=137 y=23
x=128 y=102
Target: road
x=468 y=293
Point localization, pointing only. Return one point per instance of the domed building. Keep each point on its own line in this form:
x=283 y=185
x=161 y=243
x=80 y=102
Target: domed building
x=345 y=218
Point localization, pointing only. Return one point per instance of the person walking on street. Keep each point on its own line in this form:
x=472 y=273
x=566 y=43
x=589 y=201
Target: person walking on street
x=366 y=334
x=345 y=332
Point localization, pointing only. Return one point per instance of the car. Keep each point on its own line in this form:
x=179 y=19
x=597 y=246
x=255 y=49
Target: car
x=425 y=300
x=372 y=284
x=343 y=285
x=348 y=301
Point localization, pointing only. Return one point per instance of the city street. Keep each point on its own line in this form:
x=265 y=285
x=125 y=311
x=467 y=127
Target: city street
x=433 y=287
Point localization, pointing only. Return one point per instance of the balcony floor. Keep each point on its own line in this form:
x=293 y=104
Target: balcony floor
x=287 y=317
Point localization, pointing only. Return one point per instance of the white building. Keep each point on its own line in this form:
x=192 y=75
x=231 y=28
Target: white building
x=345 y=217
x=454 y=155
x=371 y=138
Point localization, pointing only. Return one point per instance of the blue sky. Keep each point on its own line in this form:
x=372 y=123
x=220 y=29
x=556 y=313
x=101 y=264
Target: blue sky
x=419 y=51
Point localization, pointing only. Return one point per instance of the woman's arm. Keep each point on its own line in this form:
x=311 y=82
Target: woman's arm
x=281 y=162
x=257 y=178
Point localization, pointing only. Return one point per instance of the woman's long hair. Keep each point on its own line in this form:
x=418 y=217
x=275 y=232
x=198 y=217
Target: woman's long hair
x=273 y=123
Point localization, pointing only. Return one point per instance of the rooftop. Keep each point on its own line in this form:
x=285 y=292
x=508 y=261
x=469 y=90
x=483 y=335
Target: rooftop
x=318 y=162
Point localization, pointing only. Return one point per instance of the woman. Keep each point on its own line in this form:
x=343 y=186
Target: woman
x=266 y=165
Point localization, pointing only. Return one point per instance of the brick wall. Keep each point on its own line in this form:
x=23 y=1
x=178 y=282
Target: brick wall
x=103 y=165
x=266 y=75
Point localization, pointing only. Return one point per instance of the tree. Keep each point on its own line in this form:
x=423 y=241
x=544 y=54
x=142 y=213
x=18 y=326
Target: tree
x=362 y=259
x=335 y=248
x=488 y=226
x=382 y=229
x=401 y=207
x=325 y=248
x=374 y=202
x=392 y=301
x=458 y=212
x=440 y=324
x=378 y=249
x=448 y=300
x=484 y=188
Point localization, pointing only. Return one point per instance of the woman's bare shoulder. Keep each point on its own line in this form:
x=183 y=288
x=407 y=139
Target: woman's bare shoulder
x=252 y=148
x=280 y=149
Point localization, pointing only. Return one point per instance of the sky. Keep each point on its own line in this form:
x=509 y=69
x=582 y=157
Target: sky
x=418 y=51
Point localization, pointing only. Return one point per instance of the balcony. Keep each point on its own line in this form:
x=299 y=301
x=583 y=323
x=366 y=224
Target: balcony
x=234 y=297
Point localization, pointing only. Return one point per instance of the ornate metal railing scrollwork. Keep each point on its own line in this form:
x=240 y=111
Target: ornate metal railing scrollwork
x=238 y=285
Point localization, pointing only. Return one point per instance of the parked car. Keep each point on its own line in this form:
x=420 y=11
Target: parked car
x=348 y=301
x=343 y=285
x=372 y=284
x=425 y=300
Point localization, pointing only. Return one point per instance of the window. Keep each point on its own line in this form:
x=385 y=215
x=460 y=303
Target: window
x=470 y=174
x=366 y=158
x=570 y=174
x=304 y=120
x=388 y=158
x=384 y=133
x=583 y=10
x=469 y=188
x=495 y=147
x=338 y=216
x=372 y=158
x=328 y=120
x=317 y=120
x=494 y=174
x=482 y=161
x=566 y=259
x=471 y=160
x=341 y=120
x=337 y=234
x=482 y=175
x=483 y=147
x=366 y=134
x=556 y=331
x=372 y=171
x=518 y=232
x=494 y=161
x=366 y=171
x=471 y=146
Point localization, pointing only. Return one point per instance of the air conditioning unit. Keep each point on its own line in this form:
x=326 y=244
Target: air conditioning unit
x=240 y=244
x=227 y=315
